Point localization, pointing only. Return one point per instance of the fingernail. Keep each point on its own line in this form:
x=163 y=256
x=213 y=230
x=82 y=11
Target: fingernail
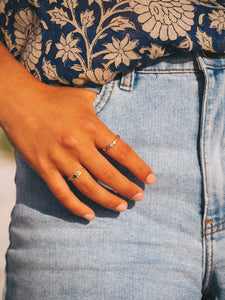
x=121 y=207
x=151 y=179
x=89 y=217
x=138 y=196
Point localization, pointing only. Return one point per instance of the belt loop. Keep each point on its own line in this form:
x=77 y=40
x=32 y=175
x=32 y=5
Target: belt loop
x=213 y=60
x=127 y=81
x=200 y=61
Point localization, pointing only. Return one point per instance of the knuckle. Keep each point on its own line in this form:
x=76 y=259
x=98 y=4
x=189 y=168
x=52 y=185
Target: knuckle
x=107 y=175
x=40 y=165
x=68 y=140
x=130 y=190
x=53 y=154
x=144 y=170
x=89 y=123
x=89 y=95
x=60 y=194
x=87 y=188
x=123 y=152
x=47 y=174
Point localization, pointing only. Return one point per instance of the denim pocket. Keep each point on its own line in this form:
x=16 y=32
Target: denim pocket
x=103 y=97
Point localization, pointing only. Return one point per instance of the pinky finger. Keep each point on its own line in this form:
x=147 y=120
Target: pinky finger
x=62 y=192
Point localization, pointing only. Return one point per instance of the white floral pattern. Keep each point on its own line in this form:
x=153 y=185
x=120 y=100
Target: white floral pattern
x=165 y=19
x=8 y=41
x=155 y=51
x=121 y=51
x=50 y=72
x=67 y=48
x=204 y=40
x=97 y=1
x=28 y=37
x=218 y=20
x=98 y=76
x=34 y=3
x=87 y=18
x=76 y=41
x=2 y=6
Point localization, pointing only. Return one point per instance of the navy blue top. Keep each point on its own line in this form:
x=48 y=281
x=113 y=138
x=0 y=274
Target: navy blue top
x=70 y=42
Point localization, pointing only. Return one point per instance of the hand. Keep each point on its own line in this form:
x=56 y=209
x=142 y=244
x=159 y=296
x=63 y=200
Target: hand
x=56 y=130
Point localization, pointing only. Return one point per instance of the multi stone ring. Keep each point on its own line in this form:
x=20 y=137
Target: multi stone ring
x=76 y=174
x=117 y=137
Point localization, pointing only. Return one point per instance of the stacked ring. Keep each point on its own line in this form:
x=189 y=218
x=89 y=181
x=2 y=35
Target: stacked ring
x=76 y=174
x=117 y=137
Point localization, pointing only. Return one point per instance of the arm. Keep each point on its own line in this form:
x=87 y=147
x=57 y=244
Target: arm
x=40 y=127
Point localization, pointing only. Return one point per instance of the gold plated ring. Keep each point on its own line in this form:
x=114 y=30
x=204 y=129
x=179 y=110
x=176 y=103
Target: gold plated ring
x=117 y=137
x=76 y=174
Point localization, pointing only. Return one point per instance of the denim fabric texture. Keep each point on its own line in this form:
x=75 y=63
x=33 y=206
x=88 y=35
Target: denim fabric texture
x=171 y=244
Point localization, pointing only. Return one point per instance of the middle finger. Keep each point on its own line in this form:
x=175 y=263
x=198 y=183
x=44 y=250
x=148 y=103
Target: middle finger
x=103 y=170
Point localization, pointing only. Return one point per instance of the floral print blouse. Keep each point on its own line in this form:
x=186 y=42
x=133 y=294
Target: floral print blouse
x=71 y=42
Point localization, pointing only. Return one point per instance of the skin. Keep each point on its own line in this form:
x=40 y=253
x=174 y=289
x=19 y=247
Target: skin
x=39 y=120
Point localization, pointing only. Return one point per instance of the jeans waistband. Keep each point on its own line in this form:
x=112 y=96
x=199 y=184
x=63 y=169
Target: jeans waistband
x=182 y=62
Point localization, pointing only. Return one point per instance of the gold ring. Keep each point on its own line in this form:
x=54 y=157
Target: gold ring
x=76 y=174
x=117 y=137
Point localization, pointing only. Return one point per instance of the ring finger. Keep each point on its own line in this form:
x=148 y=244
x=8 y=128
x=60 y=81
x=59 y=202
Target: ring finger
x=102 y=169
x=91 y=189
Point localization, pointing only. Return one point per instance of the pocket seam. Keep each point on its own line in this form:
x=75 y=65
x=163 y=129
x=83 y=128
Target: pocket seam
x=99 y=103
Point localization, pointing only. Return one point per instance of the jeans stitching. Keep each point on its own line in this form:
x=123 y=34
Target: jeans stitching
x=130 y=78
x=211 y=257
x=212 y=233
x=203 y=148
x=215 y=225
x=216 y=67
x=100 y=96
x=167 y=70
x=127 y=85
x=123 y=81
x=205 y=277
x=211 y=228
x=107 y=100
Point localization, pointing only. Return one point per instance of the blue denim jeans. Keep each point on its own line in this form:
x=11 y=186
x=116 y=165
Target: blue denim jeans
x=168 y=246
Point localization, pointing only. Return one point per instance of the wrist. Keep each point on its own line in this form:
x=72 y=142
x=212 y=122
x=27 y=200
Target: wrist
x=16 y=85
